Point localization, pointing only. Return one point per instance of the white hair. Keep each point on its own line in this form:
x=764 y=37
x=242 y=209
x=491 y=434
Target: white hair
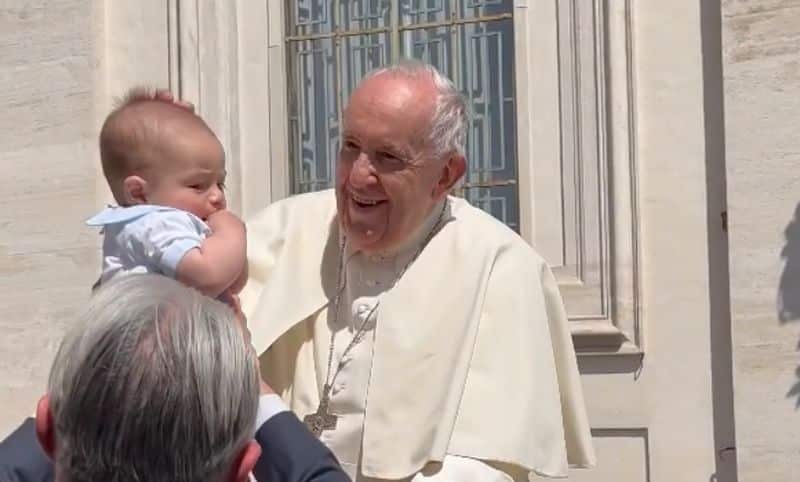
x=153 y=383
x=448 y=132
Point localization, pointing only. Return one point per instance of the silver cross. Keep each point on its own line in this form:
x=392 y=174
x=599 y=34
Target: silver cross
x=321 y=419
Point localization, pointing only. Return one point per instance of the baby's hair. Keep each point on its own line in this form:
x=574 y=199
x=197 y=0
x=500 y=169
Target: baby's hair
x=139 y=93
x=131 y=138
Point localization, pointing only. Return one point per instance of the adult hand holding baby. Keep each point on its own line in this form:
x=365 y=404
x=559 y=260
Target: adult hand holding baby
x=233 y=301
x=218 y=263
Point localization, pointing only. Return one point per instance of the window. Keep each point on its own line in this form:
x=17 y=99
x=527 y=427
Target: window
x=332 y=44
x=553 y=152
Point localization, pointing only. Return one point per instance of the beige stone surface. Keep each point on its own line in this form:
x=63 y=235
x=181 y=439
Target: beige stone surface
x=761 y=41
x=47 y=256
x=52 y=89
x=61 y=64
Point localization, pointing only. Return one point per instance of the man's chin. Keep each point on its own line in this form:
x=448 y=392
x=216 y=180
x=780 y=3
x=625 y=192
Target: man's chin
x=365 y=239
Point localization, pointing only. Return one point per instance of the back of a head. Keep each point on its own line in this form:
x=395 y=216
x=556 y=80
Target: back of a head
x=153 y=383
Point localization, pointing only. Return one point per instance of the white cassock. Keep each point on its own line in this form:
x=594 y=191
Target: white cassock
x=466 y=370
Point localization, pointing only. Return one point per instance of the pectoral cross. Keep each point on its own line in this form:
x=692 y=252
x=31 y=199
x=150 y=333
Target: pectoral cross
x=321 y=419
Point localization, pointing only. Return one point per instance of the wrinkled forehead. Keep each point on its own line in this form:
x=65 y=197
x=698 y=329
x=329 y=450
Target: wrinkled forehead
x=392 y=105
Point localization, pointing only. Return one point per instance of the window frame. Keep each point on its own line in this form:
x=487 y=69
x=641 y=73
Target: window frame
x=223 y=51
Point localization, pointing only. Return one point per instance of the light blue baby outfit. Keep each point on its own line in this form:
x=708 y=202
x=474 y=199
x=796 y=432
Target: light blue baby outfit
x=146 y=239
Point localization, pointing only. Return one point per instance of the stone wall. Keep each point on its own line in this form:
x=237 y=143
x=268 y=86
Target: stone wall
x=51 y=94
x=47 y=188
x=761 y=42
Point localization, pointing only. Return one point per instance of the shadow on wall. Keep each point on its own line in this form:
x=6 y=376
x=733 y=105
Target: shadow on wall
x=789 y=288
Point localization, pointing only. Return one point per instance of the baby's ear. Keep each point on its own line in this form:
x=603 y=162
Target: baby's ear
x=134 y=190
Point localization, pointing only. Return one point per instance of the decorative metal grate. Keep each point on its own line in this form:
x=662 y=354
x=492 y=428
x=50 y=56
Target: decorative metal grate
x=332 y=44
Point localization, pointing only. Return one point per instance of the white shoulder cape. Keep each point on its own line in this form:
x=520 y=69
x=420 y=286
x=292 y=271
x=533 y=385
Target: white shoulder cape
x=472 y=354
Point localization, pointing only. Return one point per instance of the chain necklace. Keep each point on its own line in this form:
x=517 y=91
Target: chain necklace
x=322 y=419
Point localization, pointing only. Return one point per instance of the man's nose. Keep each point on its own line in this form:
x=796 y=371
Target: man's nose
x=363 y=172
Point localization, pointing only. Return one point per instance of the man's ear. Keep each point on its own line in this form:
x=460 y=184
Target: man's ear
x=245 y=462
x=451 y=172
x=45 y=428
x=134 y=190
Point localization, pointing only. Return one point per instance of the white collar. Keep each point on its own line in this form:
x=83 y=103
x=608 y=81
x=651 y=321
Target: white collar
x=120 y=214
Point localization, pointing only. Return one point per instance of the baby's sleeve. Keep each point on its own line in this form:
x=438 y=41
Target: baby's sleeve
x=162 y=238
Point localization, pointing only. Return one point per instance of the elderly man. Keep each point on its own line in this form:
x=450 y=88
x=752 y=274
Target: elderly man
x=420 y=338
x=156 y=383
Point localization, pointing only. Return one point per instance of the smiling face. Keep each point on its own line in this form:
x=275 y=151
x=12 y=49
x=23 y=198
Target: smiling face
x=387 y=179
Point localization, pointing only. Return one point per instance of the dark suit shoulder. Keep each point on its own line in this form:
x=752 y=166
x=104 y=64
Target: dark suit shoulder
x=21 y=457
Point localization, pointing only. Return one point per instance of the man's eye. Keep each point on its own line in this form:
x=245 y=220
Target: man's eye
x=198 y=187
x=390 y=158
x=350 y=145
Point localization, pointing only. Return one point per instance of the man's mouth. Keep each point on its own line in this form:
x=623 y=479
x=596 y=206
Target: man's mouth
x=365 y=202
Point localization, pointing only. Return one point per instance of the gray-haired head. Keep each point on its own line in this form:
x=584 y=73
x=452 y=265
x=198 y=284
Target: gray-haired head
x=448 y=132
x=153 y=383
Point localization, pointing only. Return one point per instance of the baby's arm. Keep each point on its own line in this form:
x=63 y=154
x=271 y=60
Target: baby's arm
x=219 y=261
x=238 y=285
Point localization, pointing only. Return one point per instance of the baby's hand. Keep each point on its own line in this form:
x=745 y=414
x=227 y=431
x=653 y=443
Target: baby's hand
x=220 y=259
x=224 y=220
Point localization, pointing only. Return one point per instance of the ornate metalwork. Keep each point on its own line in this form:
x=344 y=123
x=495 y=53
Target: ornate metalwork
x=333 y=43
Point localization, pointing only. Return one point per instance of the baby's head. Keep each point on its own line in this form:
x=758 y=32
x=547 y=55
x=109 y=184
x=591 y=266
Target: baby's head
x=157 y=152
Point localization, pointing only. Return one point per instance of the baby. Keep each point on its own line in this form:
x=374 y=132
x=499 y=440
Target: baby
x=166 y=170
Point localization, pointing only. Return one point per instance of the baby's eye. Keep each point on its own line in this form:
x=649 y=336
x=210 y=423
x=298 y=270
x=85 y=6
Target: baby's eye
x=221 y=185
x=198 y=187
